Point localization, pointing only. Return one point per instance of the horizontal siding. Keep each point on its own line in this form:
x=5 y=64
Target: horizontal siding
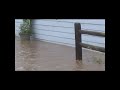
x=17 y=26
x=91 y=24
x=83 y=21
x=61 y=31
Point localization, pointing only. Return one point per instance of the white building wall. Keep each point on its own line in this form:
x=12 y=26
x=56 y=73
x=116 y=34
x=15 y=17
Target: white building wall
x=61 y=31
x=17 y=25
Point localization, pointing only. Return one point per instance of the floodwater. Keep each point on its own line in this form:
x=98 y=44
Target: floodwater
x=37 y=55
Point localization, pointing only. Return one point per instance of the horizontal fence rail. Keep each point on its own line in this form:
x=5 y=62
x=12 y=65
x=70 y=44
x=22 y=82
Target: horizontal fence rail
x=101 y=49
x=92 y=33
x=79 y=44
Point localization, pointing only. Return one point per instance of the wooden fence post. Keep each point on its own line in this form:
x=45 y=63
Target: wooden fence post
x=78 y=40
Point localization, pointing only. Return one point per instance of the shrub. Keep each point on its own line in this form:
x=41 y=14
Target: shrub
x=25 y=27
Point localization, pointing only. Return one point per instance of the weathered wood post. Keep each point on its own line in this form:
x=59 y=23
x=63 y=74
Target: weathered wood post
x=78 y=40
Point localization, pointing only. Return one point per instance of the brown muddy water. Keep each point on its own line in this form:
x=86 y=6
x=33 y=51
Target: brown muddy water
x=37 y=55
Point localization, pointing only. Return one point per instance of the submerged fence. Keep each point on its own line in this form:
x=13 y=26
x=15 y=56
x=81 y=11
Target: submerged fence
x=79 y=44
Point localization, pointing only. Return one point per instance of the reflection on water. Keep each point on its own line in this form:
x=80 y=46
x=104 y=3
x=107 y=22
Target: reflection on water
x=37 y=55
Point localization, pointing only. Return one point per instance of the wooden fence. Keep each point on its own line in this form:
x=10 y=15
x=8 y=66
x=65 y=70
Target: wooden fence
x=79 y=44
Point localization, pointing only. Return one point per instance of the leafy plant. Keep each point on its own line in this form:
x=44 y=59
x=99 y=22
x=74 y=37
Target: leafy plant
x=25 y=27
